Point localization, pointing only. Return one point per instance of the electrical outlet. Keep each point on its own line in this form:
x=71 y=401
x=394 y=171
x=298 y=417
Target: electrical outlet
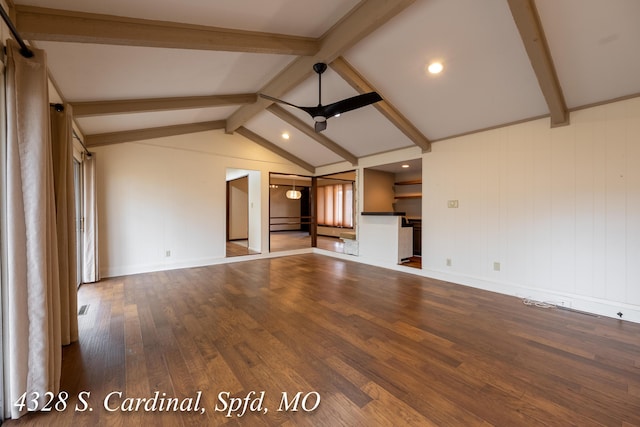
x=496 y=266
x=167 y=253
x=448 y=262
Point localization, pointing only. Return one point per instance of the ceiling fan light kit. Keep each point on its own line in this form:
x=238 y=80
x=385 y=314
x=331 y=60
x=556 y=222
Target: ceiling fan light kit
x=321 y=113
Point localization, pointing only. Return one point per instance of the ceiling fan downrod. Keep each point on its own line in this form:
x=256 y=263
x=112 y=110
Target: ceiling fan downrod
x=319 y=68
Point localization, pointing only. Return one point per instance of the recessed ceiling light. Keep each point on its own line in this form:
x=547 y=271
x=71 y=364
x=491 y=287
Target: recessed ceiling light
x=285 y=135
x=405 y=166
x=435 y=67
x=337 y=115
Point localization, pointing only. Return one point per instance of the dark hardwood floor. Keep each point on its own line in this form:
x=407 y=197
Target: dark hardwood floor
x=239 y=248
x=381 y=348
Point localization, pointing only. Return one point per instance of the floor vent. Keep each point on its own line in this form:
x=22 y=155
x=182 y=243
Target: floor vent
x=83 y=310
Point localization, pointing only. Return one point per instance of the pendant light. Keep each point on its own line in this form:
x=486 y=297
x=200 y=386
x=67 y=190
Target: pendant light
x=293 y=194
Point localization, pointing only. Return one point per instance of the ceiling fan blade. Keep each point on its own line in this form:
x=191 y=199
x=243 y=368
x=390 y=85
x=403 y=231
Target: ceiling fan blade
x=352 y=103
x=280 y=101
x=320 y=126
x=312 y=111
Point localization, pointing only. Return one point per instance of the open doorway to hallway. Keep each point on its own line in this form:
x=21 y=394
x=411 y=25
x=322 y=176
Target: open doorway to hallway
x=243 y=224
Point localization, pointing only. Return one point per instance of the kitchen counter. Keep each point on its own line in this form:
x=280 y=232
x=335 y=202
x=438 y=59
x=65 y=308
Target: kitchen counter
x=384 y=236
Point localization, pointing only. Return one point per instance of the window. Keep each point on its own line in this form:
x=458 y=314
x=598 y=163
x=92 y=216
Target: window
x=78 y=190
x=335 y=205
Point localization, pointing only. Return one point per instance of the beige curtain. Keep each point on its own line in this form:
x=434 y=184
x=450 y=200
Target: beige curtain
x=62 y=148
x=335 y=205
x=34 y=321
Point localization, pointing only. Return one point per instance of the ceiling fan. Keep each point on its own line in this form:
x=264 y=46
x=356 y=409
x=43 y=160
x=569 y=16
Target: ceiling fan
x=321 y=113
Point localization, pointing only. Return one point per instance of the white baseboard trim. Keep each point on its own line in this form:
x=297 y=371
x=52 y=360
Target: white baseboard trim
x=569 y=301
x=566 y=300
x=203 y=262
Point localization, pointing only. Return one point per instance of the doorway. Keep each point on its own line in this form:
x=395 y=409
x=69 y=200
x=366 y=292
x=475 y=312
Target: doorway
x=292 y=221
x=243 y=226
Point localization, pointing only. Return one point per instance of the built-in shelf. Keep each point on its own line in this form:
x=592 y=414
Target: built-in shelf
x=409 y=195
x=411 y=182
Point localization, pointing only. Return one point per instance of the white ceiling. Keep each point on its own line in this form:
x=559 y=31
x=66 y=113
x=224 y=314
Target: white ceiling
x=595 y=46
x=488 y=78
x=300 y=145
x=88 y=72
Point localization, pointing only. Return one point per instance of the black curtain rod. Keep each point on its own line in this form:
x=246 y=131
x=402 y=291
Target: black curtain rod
x=24 y=50
x=86 y=151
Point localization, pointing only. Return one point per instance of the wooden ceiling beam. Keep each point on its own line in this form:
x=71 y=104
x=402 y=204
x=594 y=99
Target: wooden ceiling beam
x=110 y=138
x=36 y=23
x=527 y=20
x=359 y=83
x=101 y=108
x=310 y=132
x=360 y=22
x=274 y=148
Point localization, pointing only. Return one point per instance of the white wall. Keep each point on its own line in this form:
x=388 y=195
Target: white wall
x=168 y=194
x=559 y=209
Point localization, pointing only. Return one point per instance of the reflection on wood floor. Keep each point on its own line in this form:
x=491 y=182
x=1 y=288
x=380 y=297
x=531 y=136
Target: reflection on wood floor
x=414 y=261
x=286 y=241
x=290 y=240
x=239 y=248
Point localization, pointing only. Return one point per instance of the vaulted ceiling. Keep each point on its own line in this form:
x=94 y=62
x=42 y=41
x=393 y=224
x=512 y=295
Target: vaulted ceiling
x=147 y=68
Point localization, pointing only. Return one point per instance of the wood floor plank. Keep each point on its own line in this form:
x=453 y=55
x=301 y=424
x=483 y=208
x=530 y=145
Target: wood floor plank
x=381 y=348
x=386 y=409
